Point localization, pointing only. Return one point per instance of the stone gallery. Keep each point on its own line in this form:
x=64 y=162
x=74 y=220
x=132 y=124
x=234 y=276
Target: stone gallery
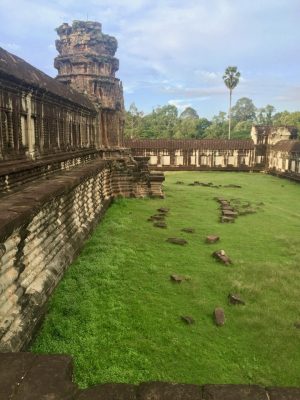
x=63 y=159
x=271 y=148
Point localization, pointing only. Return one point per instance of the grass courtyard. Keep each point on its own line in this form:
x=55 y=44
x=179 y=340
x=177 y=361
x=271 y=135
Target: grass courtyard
x=118 y=314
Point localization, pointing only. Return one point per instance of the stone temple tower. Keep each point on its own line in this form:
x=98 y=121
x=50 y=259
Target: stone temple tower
x=86 y=62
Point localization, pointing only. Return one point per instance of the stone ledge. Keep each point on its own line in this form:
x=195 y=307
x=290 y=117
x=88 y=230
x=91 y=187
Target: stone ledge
x=10 y=167
x=234 y=392
x=17 y=208
x=27 y=376
x=168 y=391
x=286 y=393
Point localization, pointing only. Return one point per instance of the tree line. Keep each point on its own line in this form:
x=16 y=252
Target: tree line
x=167 y=122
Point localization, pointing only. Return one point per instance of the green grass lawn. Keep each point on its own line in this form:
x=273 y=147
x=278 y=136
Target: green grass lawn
x=118 y=314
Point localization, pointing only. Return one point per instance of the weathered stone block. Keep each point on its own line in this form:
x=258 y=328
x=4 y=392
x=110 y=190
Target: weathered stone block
x=235 y=299
x=234 y=392
x=286 y=393
x=212 y=239
x=168 y=391
x=188 y=319
x=26 y=376
x=188 y=230
x=108 y=391
x=219 y=316
x=179 y=241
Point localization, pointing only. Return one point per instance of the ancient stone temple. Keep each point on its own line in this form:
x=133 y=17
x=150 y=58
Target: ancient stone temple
x=86 y=62
x=62 y=162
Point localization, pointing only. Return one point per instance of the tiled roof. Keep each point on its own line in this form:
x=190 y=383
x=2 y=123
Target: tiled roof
x=291 y=146
x=14 y=67
x=201 y=144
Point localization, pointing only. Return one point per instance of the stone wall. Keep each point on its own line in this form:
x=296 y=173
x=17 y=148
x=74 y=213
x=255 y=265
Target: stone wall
x=39 y=116
x=271 y=149
x=42 y=228
x=284 y=159
x=25 y=376
x=193 y=154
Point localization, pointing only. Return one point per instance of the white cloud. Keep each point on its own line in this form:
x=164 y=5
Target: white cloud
x=10 y=46
x=179 y=104
x=170 y=49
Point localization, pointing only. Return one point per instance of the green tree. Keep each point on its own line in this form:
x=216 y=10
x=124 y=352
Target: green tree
x=244 y=110
x=189 y=113
x=218 y=127
x=202 y=125
x=231 y=79
x=186 y=128
x=264 y=115
x=133 y=122
x=287 y=118
x=242 y=130
x=165 y=118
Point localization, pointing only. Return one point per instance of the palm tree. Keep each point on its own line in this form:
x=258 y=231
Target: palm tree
x=231 y=79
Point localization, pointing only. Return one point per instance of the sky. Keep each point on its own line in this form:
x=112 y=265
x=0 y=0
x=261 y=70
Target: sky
x=175 y=52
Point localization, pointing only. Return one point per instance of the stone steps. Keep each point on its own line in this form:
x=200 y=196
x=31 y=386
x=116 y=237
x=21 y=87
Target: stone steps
x=27 y=376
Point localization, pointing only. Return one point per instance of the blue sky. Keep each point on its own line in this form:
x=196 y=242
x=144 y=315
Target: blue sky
x=175 y=51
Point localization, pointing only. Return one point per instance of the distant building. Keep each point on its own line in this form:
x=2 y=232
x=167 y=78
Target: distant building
x=256 y=154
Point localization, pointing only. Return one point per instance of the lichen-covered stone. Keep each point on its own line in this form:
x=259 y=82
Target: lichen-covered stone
x=178 y=241
x=219 y=316
x=235 y=299
x=212 y=239
x=188 y=319
x=221 y=256
x=188 y=230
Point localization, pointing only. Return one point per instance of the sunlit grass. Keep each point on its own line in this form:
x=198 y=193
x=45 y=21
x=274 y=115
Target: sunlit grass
x=118 y=314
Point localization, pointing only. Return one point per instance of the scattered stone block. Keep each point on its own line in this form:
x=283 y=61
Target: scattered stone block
x=221 y=256
x=229 y=213
x=160 y=224
x=188 y=319
x=227 y=219
x=188 y=230
x=219 y=316
x=247 y=212
x=235 y=299
x=233 y=186
x=227 y=207
x=157 y=217
x=179 y=241
x=248 y=204
x=212 y=239
x=221 y=200
x=163 y=210
x=177 y=278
